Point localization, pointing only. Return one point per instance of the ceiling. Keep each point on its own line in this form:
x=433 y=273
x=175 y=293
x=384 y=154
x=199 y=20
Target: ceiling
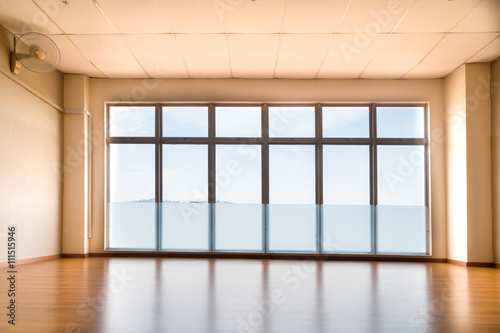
x=305 y=39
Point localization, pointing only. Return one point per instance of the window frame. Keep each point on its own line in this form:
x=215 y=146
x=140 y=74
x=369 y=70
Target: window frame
x=265 y=141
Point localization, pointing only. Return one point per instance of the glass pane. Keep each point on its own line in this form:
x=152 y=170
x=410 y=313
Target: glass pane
x=292 y=174
x=400 y=122
x=291 y=122
x=238 y=212
x=401 y=229
x=132 y=208
x=346 y=122
x=347 y=228
x=185 y=121
x=132 y=121
x=292 y=209
x=401 y=211
x=185 y=211
x=401 y=175
x=238 y=227
x=346 y=174
x=346 y=198
x=132 y=225
x=238 y=122
x=238 y=174
x=292 y=228
x=185 y=226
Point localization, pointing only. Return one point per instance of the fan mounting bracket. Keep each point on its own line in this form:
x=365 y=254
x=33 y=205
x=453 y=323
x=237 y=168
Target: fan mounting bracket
x=15 y=65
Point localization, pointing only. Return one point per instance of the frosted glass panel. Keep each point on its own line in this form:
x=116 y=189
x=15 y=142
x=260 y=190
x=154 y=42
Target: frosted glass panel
x=346 y=122
x=132 y=121
x=292 y=228
x=401 y=229
x=185 y=121
x=238 y=122
x=293 y=122
x=238 y=227
x=132 y=225
x=347 y=228
x=185 y=226
x=400 y=122
x=292 y=174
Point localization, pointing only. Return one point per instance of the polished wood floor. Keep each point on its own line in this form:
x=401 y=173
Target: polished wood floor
x=229 y=295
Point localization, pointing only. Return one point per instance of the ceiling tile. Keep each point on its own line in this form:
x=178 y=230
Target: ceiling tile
x=313 y=16
x=128 y=17
x=449 y=54
x=300 y=56
x=158 y=54
x=253 y=56
x=484 y=18
x=488 y=53
x=22 y=16
x=79 y=17
x=110 y=55
x=349 y=55
x=206 y=55
x=195 y=16
x=374 y=16
x=72 y=60
x=253 y=16
x=435 y=15
x=399 y=54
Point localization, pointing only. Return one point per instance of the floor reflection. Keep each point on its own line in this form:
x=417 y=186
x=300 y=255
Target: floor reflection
x=250 y=296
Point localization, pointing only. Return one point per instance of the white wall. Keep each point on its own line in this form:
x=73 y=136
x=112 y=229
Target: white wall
x=431 y=91
x=30 y=153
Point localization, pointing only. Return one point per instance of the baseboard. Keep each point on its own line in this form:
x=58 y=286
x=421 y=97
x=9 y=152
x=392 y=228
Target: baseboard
x=278 y=256
x=496 y=265
x=75 y=255
x=480 y=264
x=31 y=260
x=472 y=263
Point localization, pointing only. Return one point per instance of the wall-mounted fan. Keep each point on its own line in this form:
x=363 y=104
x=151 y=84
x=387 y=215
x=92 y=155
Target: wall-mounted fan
x=36 y=52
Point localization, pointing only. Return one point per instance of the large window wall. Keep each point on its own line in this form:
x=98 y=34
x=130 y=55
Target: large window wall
x=268 y=178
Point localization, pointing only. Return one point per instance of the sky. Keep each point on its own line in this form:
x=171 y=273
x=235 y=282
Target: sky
x=291 y=167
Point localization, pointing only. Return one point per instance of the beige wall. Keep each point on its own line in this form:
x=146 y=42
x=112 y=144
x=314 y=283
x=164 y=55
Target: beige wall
x=76 y=164
x=30 y=153
x=272 y=91
x=495 y=149
x=478 y=122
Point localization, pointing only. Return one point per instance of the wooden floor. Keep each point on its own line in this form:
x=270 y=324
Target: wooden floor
x=228 y=295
